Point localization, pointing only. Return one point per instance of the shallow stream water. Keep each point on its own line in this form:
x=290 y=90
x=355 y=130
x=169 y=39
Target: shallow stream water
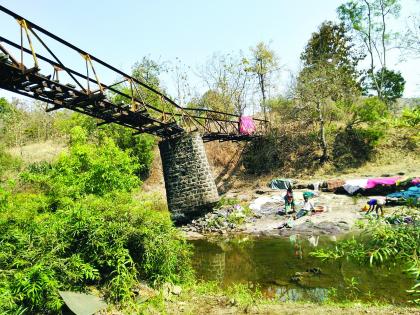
x=284 y=270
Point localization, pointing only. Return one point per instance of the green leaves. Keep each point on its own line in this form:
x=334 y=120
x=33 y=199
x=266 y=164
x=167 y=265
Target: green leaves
x=414 y=271
x=80 y=227
x=110 y=242
x=87 y=169
x=367 y=110
x=391 y=84
x=382 y=245
x=410 y=117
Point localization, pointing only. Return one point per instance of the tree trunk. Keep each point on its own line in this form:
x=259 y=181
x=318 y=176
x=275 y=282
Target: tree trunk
x=323 y=141
x=383 y=34
x=370 y=49
x=262 y=87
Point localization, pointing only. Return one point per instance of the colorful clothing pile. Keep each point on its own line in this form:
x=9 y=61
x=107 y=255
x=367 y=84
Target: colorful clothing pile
x=353 y=185
x=373 y=182
x=412 y=194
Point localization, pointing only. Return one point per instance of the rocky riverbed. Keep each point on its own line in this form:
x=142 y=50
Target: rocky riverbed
x=258 y=213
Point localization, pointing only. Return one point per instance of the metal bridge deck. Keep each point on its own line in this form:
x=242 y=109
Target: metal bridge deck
x=87 y=94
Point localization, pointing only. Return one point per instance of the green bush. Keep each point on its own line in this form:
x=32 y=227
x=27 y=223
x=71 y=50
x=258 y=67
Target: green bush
x=366 y=110
x=382 y=244
x=140 y=147
x=80 y=227
x=8 y=162
x=410 y=117
x=109 y=242
x=87 y=169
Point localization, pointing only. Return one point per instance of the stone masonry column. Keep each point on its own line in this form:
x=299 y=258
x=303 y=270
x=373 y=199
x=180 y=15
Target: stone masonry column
x=190 y=187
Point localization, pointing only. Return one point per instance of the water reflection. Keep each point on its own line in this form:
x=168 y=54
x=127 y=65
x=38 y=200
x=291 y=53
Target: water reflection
x=285 y=294
x=210 y=261
x=284 y=270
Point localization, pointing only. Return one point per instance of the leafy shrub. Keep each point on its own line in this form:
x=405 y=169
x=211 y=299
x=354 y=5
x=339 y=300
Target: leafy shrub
x=381 y=244
x=65 y=122
x=87 y=169
x=244 y=295
x=410 y=117
x=224 y=201
x=106 y=241
x=367 y=110
x=8 y=162
x=140 y=147
x=414 y=271
x=82 y=228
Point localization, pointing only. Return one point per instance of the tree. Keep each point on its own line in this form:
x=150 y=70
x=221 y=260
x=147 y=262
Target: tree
x=146 y=71
x=228 y=83
x=180 y=77
x=263 y=63
x=332 y=46
x=390 y=82
x=369 y=20
x=316 y=88
x=328 y=76
x=410 y=40
x=215 y=100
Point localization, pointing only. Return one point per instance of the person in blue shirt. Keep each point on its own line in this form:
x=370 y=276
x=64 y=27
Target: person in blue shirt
x=376 y=204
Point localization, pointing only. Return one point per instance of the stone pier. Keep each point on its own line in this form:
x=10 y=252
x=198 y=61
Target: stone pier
x=189 y=183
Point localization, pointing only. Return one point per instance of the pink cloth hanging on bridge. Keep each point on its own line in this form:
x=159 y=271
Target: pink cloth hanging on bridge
x=246 y=125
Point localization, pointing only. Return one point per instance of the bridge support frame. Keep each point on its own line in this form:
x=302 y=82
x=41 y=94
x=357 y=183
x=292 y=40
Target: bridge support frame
x=190 y=187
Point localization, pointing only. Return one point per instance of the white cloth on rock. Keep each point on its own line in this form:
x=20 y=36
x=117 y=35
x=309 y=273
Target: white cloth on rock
x=353 y=185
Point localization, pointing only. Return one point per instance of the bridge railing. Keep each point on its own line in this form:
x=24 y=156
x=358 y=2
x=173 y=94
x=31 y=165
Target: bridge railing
x=129 y=101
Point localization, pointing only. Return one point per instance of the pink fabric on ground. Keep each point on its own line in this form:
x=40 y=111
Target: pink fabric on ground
x=372 y=182
x=416 y=181
x=246 y=125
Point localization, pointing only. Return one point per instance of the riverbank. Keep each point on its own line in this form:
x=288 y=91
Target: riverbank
x=340 y=214
x=222 y=305
x=208 y=298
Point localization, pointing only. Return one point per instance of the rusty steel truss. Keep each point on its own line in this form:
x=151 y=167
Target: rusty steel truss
x=126 y=102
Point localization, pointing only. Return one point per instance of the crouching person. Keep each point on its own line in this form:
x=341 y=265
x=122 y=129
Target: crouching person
x=376 y=204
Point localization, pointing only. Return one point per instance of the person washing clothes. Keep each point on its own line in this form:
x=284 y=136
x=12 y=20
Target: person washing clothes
x=307 y=207
x=289 y=201
x=307 y=204
x=376 y=204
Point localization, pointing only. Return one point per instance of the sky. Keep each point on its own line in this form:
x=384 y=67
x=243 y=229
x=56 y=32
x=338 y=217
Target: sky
x=122 y=32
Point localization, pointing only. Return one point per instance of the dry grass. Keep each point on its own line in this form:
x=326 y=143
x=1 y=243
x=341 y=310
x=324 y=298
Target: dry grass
x=155 y=181
x=221 y=154
x=385 y=163
x=224 y=158
x=40 y=151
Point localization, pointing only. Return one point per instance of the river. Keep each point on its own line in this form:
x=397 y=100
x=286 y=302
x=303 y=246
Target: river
x=283 y=270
